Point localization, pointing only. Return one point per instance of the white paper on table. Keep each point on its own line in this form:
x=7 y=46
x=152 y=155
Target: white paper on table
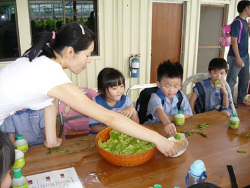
x=64 y=178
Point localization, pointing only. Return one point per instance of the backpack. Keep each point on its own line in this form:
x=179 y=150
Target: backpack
x=142 y=103
x=225 y=40
x=199 y=105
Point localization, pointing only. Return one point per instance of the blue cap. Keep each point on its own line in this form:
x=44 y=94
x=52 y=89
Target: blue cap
x=197 y=168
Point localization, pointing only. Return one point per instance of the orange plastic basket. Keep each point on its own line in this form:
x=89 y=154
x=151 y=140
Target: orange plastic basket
x=122 y=160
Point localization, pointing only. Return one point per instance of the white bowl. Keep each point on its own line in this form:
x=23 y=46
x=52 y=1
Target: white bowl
x=183 y=137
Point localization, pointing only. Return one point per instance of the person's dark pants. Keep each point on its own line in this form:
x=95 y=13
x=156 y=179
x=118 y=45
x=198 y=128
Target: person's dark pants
x=241 y=73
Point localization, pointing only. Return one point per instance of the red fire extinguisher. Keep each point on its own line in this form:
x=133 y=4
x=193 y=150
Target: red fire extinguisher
x=134 y=65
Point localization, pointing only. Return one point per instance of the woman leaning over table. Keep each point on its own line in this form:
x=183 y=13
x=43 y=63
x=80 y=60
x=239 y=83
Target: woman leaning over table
x=36 y=79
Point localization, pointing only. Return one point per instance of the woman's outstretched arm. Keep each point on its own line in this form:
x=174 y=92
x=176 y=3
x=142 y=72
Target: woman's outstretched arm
x=71 y=95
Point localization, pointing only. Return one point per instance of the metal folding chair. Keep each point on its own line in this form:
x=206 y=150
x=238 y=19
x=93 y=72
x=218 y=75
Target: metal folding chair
x=142 y=86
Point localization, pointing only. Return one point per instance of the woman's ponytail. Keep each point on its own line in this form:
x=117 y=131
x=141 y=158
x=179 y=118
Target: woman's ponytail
x=73 y=34
x=41 y=45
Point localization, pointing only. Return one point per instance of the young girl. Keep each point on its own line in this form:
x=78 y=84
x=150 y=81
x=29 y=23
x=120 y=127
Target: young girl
x=111 y=84
x=7 y=159
x=38 y=78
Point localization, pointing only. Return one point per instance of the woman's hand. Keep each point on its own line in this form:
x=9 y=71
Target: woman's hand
x=165 y=146
x=170 y=129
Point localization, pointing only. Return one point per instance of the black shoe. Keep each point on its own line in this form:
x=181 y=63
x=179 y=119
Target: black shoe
x=235 y=105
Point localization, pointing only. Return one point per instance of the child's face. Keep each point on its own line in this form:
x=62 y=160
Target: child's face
x=169 y=86
x=114 y=93
x=6 y=181
x=217 y=75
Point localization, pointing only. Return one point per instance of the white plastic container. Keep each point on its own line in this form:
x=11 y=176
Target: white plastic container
x=19 y=160
x=179 y=118
x=234 y=121
x=19 y=181
x=21 y=144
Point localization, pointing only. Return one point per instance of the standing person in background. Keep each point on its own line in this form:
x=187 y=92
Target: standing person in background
x=38 y=78
x=238 y=56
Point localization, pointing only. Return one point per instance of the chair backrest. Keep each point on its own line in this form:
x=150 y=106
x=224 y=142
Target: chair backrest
x=142 y=86
x=71 y=119
x=194 y=79
x=202 y=76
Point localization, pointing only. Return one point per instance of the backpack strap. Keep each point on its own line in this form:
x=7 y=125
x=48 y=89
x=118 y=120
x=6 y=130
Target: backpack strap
x=241 y=27
x=180 y=98
x=161 y=96
x=232 y=176
x=200 y=106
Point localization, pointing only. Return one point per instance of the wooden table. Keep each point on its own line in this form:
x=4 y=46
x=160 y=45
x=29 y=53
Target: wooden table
x=217 y=151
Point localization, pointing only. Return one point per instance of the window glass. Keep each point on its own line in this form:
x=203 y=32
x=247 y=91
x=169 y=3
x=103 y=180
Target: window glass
x=52 y=15
x=9 y=49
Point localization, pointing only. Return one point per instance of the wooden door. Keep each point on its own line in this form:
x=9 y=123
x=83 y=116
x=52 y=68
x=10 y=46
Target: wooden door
x=166 y=34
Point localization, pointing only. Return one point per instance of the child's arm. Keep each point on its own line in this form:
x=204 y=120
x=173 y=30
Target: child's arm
x=10 y=128
x=168 y=126
x=225 y=101
x=131 y=113
x=12 y=138
x=192 y=101
x=186 y=115
x=50 y=113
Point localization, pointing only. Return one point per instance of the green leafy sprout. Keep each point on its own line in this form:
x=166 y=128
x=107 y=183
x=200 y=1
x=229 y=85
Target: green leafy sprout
x=177 y=136
x=58 y=149
x=203 y=126
x=247 y=135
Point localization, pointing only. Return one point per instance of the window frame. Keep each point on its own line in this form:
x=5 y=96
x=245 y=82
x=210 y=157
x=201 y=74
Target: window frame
x=24 y=37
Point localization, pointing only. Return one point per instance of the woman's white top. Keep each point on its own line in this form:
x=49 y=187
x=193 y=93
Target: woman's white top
x=25 y=84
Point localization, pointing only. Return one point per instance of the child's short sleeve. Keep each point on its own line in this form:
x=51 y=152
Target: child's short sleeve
x=196 y=91
x=129 y=102
x=41 y=123
x=154 y=103
x=9 y=127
